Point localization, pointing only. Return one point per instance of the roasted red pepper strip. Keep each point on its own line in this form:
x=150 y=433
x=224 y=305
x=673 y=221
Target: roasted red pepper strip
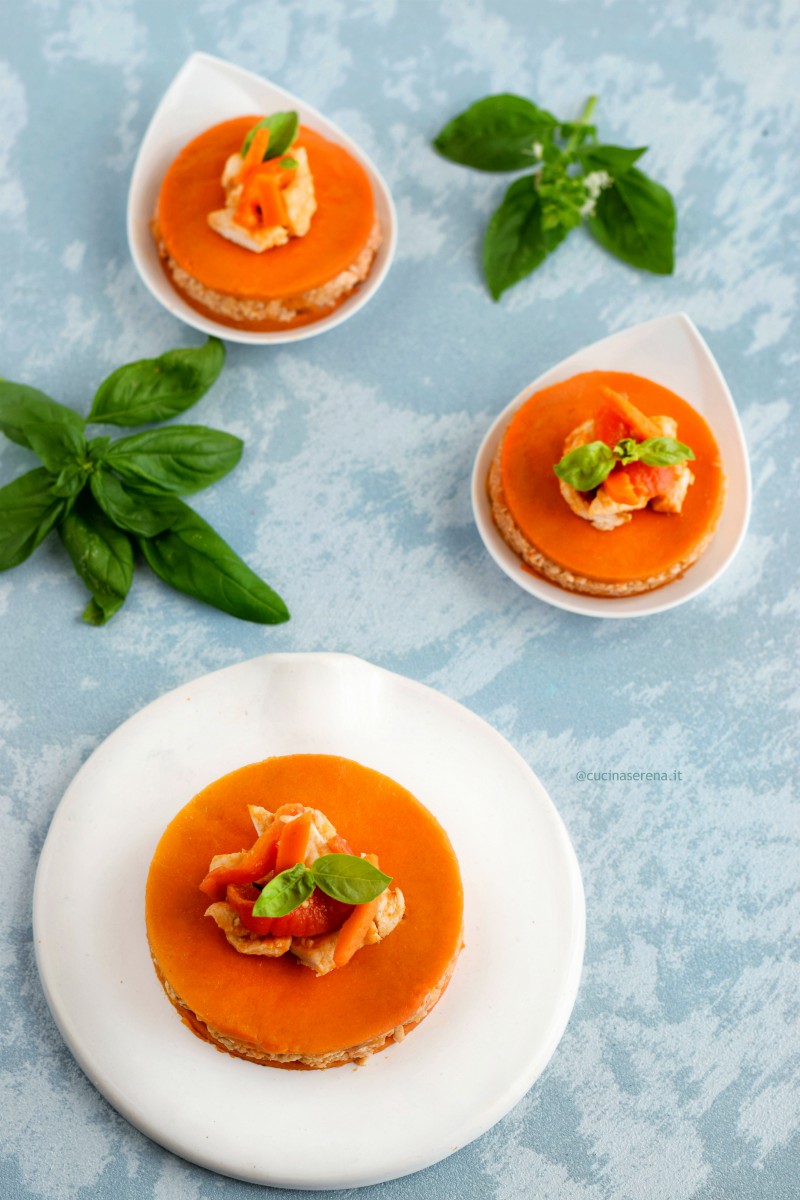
x=609 y=426
x=339 y=845
x=320 y=913
x=241 y=898
x=257 y=862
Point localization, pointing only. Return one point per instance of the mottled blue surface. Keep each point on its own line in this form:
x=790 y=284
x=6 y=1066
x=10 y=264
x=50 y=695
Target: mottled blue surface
x=678 y=1075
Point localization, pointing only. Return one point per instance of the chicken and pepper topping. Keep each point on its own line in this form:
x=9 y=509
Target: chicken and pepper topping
x=621 y=460
x=269 y=188
x=301 y=889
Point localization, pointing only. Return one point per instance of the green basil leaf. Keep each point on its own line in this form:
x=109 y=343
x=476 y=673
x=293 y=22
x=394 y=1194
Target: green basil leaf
x=28 y=511
x=195 y=560
x=285 y=892
x=127 y=510
x=21 y=405
x=496 y=134
x=70 y=480
x=635 y=220
x=282 y=128
x=179 y=459
x=97 y=448
x=102 y=556
x=289 y=163
x=515 y=242
x=617 y=160
x=662 y=452
x=586 y=467
x=155 y=389
x=57 y=444
x=627 y=450
x=348 y=878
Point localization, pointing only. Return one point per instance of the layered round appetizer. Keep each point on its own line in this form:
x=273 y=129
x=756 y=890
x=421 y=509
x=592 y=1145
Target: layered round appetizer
x=607 y=484
x=304 y=911
x=264 y=224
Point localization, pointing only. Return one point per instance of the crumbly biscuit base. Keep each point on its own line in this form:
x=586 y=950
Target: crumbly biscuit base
x=335 y=1058
x=316 y=301
x=554 y=572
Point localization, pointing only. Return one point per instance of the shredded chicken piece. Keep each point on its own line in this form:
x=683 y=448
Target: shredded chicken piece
x=243 y=939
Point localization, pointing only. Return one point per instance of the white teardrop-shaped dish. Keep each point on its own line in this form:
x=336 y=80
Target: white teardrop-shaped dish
x=670 y=351
x=205 y=91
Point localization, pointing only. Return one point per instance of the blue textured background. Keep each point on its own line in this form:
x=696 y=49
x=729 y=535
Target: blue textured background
x=677 y=1077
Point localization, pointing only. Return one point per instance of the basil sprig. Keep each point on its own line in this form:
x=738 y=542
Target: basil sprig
x=575 y=178
x=344 y=877
x=282 y=128
x=588 y=466
x=107 y=497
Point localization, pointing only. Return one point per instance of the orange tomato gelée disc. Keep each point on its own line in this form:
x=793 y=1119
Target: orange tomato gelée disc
x=278 y=1005
x=339 y=230
x=648 y=544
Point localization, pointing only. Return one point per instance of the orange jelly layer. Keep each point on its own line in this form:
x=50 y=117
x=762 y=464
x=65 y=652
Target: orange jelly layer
x=278 y=1004
x=650 y=542
x=339 y=228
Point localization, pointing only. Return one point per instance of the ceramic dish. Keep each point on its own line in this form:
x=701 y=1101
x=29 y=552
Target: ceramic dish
x=670 y=351
x=205 y=91
x=466 y=1065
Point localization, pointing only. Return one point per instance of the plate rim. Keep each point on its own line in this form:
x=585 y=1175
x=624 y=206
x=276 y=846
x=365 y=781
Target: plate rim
x=196 y=320
x=604 y=608
x=505 y=1100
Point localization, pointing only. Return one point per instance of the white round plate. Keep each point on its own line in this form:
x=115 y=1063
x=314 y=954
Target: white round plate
x=670 y=351
x=466 y=1065
x=205 y=91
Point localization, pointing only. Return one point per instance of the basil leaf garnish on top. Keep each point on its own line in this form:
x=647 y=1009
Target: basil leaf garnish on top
x=282 y=128
x=662 y=452
x=497 y=133
x=155 y=389
x=586 y=467
x=285 y=892
x=626 y=451
x=349 y=878
x=344 y=877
